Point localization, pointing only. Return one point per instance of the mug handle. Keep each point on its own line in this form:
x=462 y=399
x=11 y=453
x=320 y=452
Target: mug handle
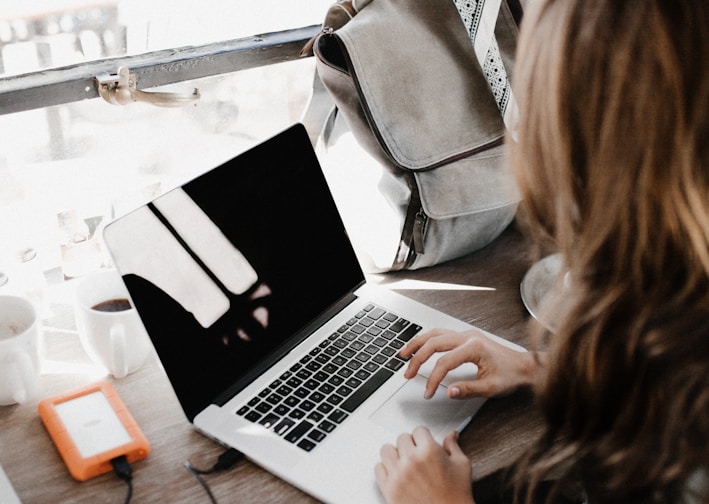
x=22 y=377
x=119 y=360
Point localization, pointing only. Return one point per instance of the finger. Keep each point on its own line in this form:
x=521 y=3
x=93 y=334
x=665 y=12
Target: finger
x=412 y=346
x=439 y=342
x=451 y=446
x=422 y=436
x=381 y=474
x=473 y=388
x=405 y=444
x=389 y=455
x=468 y=352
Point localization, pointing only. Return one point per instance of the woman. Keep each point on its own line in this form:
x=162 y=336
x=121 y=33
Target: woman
x=612 y=159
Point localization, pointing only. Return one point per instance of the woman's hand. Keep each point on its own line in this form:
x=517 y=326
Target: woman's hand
x=419 y=470
x=501 y=370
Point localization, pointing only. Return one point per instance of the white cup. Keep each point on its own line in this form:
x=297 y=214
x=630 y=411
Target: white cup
x=19 y=350
x=117 y=340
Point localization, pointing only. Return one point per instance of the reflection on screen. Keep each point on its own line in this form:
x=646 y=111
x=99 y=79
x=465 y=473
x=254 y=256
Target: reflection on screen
x=227 y=268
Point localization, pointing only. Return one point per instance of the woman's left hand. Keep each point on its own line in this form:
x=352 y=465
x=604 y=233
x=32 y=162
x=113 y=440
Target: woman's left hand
x=419 y=470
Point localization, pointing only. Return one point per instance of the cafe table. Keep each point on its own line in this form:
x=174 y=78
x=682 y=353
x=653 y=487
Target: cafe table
x=482 y=289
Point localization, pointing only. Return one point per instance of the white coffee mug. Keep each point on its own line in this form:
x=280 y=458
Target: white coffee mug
x=110 y=329
x=19 y=350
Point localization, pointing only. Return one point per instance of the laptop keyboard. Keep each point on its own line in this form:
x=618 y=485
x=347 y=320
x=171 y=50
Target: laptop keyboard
x=307 y=402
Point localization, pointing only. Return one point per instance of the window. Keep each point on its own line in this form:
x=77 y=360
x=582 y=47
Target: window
x=68 y=163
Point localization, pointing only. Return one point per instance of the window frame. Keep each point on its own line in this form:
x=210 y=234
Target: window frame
x=77 y=82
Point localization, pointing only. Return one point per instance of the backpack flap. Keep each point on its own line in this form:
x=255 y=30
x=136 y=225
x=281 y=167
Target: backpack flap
x=405 y=77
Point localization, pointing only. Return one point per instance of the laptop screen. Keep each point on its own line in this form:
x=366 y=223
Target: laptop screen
x=224 y=270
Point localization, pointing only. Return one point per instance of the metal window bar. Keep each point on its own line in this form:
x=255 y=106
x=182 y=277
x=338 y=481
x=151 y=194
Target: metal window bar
x=77 y=82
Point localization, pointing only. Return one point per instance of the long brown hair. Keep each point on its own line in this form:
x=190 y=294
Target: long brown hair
x=612 y=158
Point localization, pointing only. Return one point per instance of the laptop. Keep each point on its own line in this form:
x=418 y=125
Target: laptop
x=272 y=339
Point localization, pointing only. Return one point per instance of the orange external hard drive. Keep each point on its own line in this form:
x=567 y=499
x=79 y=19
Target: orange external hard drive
x=91 y=426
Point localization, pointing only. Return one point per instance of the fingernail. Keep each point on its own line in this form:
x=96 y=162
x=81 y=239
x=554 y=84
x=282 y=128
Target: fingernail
x=454 y=392
x=427 y=395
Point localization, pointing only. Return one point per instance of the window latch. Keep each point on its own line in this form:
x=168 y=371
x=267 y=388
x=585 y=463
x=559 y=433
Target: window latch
x=121 y=89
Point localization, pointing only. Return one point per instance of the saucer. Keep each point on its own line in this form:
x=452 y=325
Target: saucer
x=538 y=285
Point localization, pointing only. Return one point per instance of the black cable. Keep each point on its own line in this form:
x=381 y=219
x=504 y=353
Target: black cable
x=123 y=470
x=225 y=461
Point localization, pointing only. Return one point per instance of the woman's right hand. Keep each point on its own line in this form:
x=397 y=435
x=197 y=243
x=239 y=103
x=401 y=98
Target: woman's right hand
x=501 y=370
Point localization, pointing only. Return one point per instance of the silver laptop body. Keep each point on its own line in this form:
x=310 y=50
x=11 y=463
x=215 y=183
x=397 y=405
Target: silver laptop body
x=272 y=339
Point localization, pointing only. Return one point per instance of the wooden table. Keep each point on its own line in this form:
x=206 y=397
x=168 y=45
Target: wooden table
x=495 y=437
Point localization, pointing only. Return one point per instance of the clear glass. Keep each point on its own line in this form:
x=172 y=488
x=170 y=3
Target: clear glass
x=38 y=34
x=64 y=170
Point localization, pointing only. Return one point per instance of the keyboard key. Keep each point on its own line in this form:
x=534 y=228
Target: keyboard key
x=294 y=382
x=354 y=365
x=284 y=390
x=316 y=397
x=397 y=343
x=263 y=407
x=269 y=420
x=394 y=364
x=382 y=324
x=302 y=392
x=344 y=372
x=299 y=431
x=252 y=416
x=344 y=391
x=297 y=414
x=339 y=361
x=304 y=374
x=316 y=435
x=374 y=330
x=380 y=359
x=335 y=399
x=307 y=405
x=327 y=426
x=399 y=325
x=325 y=408
x=367 y=389
x=281 y=410
x=306 y=445
x=409 y=333
x=380 y=342
x=349 y=336
x=353 y=382
x=326 y=388
x=274 y=398
x=358 y=329
x=388 y=351
x=337 y=379
x=283 y=426
x=316 y=416
x=371 y=366
x=362 y=356
x=362 y=374
x=371 y=349
x=366 y=321
x=337 y=416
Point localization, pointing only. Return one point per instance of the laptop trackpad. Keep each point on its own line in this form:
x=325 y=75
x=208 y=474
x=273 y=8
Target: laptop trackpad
x=407 y=409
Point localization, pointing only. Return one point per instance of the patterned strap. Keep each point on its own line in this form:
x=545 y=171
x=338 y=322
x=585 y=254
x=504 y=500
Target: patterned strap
x=479 y=18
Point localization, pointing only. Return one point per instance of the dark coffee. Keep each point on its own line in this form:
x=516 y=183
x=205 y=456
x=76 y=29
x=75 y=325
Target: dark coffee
x=113 y=305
